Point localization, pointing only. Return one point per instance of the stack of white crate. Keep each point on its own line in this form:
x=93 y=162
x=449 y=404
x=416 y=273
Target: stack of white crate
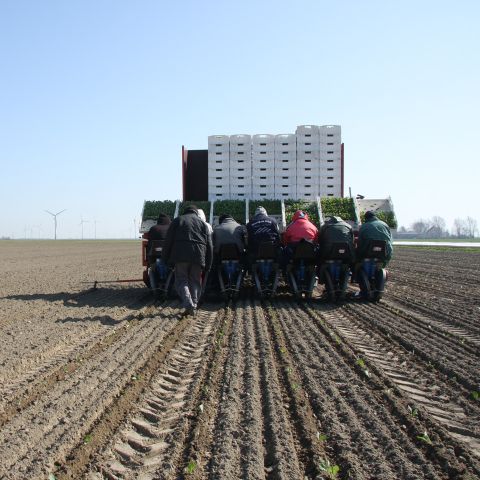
x=308 y=162
x=263 y=166
x=330 y=160
x=218 y=167
x=240 y=166
x=285 y=166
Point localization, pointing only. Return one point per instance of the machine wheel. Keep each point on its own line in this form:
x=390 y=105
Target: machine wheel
x=329 y=287
x=364 y=282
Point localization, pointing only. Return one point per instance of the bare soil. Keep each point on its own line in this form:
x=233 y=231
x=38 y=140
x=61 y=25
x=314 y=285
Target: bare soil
x=107 y=384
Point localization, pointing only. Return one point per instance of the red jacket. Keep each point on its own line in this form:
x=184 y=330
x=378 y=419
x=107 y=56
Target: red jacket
x=299 y=228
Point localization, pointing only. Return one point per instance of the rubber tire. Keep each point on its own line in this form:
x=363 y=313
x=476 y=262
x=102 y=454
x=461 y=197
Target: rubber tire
x=329 y=287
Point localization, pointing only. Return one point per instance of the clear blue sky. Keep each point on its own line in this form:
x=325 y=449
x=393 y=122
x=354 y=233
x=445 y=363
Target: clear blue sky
x=97 y=98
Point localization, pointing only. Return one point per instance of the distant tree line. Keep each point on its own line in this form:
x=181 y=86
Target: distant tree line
x=435 y=227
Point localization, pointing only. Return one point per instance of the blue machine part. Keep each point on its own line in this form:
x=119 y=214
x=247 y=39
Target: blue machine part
x=335 y=270
x=161 y=269
x=266 y=268
x=230 y=268
x=369 y=267
x=301 y=271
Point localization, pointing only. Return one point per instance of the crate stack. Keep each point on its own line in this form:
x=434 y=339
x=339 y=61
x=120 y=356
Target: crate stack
x=240 y=166
x=263 y=166
x=330 y=160
x=308 y=162
x=285 y=166
x=218 y=167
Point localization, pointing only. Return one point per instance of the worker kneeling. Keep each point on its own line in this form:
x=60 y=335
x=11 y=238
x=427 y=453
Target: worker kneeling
x=336 y=257
x=299 y=254
x=229 y=243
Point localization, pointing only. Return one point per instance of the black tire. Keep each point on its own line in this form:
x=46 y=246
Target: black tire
x=365 y=284
x=329 y=287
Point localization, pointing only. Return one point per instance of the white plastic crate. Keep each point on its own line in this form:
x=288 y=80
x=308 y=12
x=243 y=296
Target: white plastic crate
x=263 y=180
x=285 y=155
x=263 y=139
x=263 y=155
x=308 y=163
x=285 y=163
x=329 y=130
x=263 y=194
x=215 y=177
x=307 y=131
x=223 y=173
x=218 y=140
x=286 y=173
x=240 y=139
x=263 y=163
x=330 y=171
x=240 y=171
x=241 y=154
x=285 y=193
x=262 y=170
x=216 y=190
x=263 y=149
x=239 y=188
x=285 y=140
x=216 y=158
x=308 y=181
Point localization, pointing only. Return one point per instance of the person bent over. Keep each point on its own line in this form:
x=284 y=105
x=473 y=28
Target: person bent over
x=300 y=228
x=261 y=229
x=335 y=230
x=189 y=247
x=374 y=229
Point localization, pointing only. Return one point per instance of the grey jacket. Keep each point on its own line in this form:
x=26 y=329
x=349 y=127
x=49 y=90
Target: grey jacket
x=229 y=231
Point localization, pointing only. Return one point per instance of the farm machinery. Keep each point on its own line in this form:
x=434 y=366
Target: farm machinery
x=305 y=268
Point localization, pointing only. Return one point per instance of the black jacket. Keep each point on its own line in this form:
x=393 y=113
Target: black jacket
x=188 y=240
x=261 y=229
x=332 y=231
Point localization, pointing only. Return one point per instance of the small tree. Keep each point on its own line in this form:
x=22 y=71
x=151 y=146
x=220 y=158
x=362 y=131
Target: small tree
x=459 y=227
x=471 y=227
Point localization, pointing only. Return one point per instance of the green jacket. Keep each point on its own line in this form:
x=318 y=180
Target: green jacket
x=332 y=231
x=374 y=229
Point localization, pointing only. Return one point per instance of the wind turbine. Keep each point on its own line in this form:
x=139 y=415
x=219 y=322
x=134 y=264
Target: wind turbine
x=95 y=228
x=82 y=221
x=54 y=215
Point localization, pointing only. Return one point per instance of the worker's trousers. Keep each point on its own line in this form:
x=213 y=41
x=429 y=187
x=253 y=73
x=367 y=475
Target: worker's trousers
x=188 y=283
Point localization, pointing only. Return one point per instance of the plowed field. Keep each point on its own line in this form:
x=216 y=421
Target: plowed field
x=107 y=384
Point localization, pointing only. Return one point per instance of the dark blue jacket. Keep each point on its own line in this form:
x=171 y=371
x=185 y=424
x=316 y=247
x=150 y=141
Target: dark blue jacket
x=261 y=228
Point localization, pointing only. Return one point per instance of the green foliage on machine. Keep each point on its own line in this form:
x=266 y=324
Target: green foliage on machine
x=152 y=208
x=273 y=207
x=201 y=204
x=235 y=208
x=387 y=217
x=291 y=206
x=338 y=207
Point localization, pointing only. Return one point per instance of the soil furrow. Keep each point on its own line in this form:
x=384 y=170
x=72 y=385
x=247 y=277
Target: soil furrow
x=355 y=417
x=419 y=385
x=70 y=408
x=442 y=353
x=149 y=443
x=238 y=450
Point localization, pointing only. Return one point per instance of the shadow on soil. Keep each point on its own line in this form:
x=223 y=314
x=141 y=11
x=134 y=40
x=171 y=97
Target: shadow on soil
x=99 y=297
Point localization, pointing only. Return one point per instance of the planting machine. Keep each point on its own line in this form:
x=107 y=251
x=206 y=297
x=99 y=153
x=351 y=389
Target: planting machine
x=302 y=271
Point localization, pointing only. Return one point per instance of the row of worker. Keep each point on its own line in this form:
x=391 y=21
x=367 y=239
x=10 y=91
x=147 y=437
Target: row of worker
x=190 y=243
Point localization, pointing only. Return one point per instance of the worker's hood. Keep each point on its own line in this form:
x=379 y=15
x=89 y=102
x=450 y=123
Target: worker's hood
x=163 y=219
x=300 y=214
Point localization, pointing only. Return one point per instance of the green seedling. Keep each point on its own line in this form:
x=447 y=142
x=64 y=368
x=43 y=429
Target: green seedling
x=191 y=467
x=413 y=411
x=283 y=350
x=87 y=439
x=476 y=395
x=51 y=476
x=425 y=438
x=331 y=470
x=361 y=363
x=322 y=437
x=295 y=386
